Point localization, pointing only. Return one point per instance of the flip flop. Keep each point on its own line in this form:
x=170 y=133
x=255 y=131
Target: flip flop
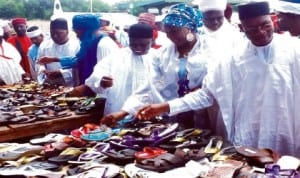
x=52 y=137
x=100 y=134
x=69 y=154
x=21 y=150
x=124 y=156
x=148 y=153
x=43 y=165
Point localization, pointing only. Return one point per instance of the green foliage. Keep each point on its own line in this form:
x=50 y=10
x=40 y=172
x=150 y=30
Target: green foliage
x=43 y=9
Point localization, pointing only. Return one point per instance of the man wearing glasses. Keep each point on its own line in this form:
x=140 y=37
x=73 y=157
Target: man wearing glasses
x=258 y=90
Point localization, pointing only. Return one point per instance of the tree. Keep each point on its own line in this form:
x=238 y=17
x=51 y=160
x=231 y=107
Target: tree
x=43 y=9
x=11 y=8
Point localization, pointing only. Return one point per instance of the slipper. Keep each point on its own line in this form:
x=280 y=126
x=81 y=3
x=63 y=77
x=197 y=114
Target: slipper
x=96 y=136
x=21 y=150
x=191 y=154
x=69 y=154
x=162 y=163
x=146 y=131
x=29 y=108
x=23 y=160
x=53 y=115
x=215 y=144
x=148 y=153
x=184 y=134
x=74 y=142
x=92 y=154
x=54 y=149
x=120 y=157
x=100 y=134
x=98 y=170
x=258 y=157
x=5 y=117
x=43 y=165
x=22 y=119
x=125 y=121
x=84 y=130
x=52 y=137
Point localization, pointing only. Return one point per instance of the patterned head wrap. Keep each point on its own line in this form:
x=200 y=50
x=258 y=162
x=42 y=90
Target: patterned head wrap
x=181 y=15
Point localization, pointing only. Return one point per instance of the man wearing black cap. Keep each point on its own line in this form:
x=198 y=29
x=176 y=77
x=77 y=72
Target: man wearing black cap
x=119 y=74
x=58 y=46
x=289 y=16
x=257 y=89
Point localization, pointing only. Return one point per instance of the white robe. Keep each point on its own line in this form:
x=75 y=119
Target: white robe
x=259 y=100
x=223 y=42
x=128 y=72
x=10 y=69
x=163 y=83
x=50 y=48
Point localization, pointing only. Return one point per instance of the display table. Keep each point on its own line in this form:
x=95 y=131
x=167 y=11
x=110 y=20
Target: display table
x=33 y=101
x=17 y=131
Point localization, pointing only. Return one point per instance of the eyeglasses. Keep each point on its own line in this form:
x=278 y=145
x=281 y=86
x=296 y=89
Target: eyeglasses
x=183 y=82
x=262 y=27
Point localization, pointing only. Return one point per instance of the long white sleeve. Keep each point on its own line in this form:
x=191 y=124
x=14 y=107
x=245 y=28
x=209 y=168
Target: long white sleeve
x=198 y=99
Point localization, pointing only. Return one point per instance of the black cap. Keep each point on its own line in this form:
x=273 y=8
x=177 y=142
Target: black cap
x=253 y=9
x=59 y=23
x=140 y=31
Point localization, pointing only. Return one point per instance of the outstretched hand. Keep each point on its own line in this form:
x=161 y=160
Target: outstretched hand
x=47 y=59
x=112 y=119
x=149 y=111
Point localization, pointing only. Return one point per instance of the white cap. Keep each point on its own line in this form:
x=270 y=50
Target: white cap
x=208 y=5
x=34 y=33
x=289 y=7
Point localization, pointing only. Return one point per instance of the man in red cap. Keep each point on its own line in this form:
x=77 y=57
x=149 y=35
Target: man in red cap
x=21 y=41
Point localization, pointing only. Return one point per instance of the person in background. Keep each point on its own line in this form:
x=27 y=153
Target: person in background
x=93 y=47
x=118 y=75
x=21 y=42
x=148 y=18
x=122 y=36
x=221 y=37
x=60 y=45
x=257 y=89
x=108 y=30
x=36 y=36
x=177 y=70
x=8 y=32
x=10 y=69
x=289 y=16
x=228 y=12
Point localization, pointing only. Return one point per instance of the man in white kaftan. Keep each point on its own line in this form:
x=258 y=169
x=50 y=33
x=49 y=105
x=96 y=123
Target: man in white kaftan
x=221 y=37
x=58 y=46
x=258 y=91
x=164 y=77
x=127 y=69
x=10 y=69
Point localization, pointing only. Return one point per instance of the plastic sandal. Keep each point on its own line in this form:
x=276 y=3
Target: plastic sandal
x=69 y=154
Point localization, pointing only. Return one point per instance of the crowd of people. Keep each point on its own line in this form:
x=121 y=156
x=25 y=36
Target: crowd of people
x=198 y=70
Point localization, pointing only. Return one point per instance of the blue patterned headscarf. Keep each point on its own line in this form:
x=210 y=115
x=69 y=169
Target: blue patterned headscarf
x=181 y=15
